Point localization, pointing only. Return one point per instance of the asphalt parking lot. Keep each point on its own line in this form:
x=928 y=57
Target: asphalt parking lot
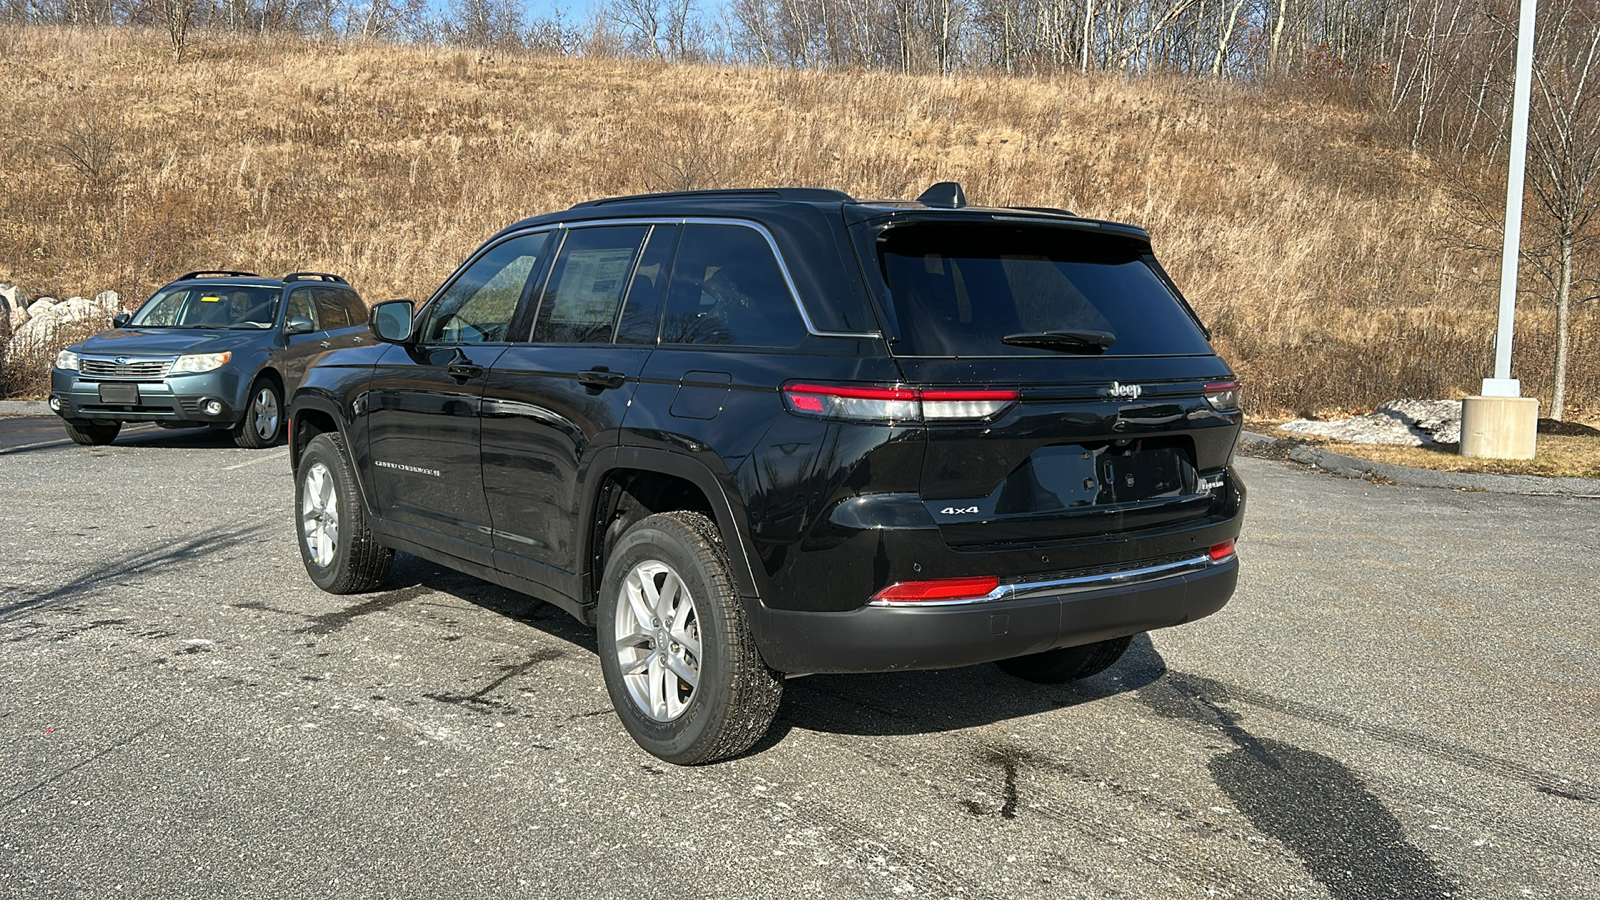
x=1401 y=701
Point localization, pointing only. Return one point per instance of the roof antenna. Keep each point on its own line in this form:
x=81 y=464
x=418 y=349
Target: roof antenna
x=945 y=193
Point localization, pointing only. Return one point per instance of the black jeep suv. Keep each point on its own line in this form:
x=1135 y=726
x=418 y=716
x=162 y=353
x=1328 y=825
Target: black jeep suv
x=757 y=434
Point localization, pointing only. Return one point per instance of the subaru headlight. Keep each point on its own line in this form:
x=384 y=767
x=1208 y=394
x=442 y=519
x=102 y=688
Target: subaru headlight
x=67 y=360
x=200 y=362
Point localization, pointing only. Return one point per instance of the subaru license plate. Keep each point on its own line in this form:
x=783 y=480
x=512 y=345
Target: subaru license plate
x=120 y=394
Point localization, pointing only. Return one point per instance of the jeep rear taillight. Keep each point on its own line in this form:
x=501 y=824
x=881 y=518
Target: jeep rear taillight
x=1224 y=395
x=895 y=404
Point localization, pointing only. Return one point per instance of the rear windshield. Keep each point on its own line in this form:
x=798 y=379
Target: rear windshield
x=974 y=289
x=210 y=306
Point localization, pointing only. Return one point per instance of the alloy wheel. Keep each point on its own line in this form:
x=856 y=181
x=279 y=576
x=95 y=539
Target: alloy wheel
x=657 y=640
x=264 y=414
x=319 y=514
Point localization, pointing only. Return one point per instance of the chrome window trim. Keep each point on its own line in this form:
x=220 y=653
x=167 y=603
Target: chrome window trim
x=1081 y=584
x=772 y=244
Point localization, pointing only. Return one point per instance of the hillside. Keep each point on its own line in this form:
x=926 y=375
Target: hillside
x=1327 y=260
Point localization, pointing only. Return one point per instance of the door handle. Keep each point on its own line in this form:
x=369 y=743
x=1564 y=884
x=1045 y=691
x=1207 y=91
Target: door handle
x=464 y=371
x=601 y=378
x=325 y=344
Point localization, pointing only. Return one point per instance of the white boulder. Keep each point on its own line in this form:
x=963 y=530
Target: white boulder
x=109 y=303
x=13 y=306
x=35 y=338
x=42 y=306
x=74 y=309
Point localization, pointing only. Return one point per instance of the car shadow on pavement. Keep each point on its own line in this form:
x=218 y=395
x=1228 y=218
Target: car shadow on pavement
x=925 y=702
x=415 y=572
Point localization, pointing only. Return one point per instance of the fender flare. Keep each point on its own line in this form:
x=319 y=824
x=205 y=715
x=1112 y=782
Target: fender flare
x=305 y=399
x=729 y=510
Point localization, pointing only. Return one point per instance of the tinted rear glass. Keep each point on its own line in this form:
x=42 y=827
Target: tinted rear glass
x=727 y=289
x=962 y=289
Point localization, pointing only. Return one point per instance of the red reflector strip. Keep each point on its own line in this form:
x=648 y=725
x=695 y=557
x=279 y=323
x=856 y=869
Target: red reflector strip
x=939 y=589
x=1222 y=551
x=854 y=393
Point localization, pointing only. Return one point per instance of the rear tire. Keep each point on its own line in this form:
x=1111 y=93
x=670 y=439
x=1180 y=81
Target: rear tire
x=262 y=424
x=1067 y=663
x=679 y=660
x=337 y=547
x=92 y=433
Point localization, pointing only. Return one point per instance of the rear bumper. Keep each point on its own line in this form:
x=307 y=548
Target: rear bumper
x=177 y=399
x=1031 y=619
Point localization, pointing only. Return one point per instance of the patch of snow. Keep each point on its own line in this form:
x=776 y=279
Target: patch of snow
x=1412 y=423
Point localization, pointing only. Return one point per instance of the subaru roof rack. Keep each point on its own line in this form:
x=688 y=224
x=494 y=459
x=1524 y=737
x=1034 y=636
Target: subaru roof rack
x=814 y=195
x=307 y=276
x=212 y=273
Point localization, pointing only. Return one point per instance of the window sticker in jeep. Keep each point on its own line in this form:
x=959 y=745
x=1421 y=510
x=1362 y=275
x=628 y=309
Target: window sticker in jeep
x=591 y=285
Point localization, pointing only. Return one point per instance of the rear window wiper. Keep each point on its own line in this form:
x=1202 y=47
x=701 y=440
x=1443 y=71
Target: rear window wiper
x=1076 y=341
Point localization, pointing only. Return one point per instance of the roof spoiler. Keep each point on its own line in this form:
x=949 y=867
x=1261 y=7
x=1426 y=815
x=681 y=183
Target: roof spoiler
x=945 y=193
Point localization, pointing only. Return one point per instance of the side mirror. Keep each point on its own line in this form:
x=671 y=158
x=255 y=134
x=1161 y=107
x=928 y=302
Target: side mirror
x=391 y=321
x=120 y=320
x=299 y=325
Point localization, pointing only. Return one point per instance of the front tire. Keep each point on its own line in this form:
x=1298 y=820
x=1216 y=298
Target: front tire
x=92 y=433
x=679 y=660
x=262 y=424
x=1067 y=663
x=338 y=549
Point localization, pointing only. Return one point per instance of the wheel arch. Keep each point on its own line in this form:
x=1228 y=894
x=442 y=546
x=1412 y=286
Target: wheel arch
x=629 y=483
x=313 y=414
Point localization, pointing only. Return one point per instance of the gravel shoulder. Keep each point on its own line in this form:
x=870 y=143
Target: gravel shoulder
x=1399 y=702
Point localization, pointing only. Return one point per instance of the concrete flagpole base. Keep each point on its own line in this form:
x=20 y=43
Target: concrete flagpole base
x=1499 y=427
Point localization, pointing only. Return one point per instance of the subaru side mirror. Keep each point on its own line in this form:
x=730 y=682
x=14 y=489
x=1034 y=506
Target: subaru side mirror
x=120 y=320
x=391 y=321
x=300 y=325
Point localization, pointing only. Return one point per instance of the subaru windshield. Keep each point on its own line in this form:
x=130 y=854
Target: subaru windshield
x=210 y=306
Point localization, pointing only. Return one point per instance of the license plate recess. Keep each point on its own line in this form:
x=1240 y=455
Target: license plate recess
x=119 y=394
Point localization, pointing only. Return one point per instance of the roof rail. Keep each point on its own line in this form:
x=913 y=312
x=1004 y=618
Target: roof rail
x=1051 y=210
x=307 y=276
x=814 y=195
x=225 y=273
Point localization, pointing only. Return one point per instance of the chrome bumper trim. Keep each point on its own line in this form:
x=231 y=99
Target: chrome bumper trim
x=1029 y=589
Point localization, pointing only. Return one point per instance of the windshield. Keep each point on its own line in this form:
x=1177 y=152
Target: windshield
x=210 y=306
x=970 y=289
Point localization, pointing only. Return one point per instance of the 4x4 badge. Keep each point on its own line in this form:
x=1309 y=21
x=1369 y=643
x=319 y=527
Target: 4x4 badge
x=1130 y=391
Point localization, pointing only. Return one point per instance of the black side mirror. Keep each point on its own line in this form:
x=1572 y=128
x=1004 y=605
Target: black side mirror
x=120 y=320
x=299 y=325
x=391 y=321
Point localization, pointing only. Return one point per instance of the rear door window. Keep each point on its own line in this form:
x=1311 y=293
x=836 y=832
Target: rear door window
x=727 y=288
x=331 y=311
x=966 y=289
x=587 y=283
x=357 y=310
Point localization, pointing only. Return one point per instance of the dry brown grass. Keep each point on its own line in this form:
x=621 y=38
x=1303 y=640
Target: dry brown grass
x=1557 y=456
x=1319 y=253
